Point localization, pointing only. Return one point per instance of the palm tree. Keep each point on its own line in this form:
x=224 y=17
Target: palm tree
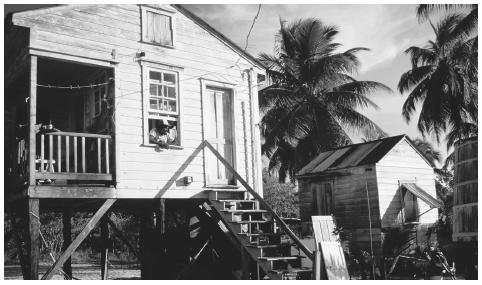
x=467 y=26
x=443 y=79
x=427 y=149
x=313 y=98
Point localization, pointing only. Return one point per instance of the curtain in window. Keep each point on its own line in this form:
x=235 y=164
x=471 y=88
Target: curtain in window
x=159 y=29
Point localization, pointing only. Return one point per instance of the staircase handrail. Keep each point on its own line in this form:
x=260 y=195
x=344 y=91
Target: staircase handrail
x=260 y=199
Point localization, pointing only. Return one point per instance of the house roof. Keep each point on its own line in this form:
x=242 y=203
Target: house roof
x=186 y=13
x=354 y=155
x=422 y=195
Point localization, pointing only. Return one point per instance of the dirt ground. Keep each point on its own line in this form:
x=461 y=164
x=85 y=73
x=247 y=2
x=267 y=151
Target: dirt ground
x=79 y=271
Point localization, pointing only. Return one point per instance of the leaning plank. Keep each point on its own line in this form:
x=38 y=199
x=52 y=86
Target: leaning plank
x=79 y=239
x=331 y=263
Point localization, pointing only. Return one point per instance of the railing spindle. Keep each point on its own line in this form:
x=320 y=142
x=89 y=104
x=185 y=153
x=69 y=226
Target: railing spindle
x=59 y=154
x=83 y=154
x=42 y=152
x=75 y=154
x=51 y=153
x=98 y=155
x=67 y=154
x=107 y=156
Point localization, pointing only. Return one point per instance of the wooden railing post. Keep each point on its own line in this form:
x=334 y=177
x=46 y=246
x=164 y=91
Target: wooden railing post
x=51 y=153
x=75 y=154
x=67 y=154
x=83 y=154
x=42 y=152
x=107 y=168
x=98 y=155
x=59 y=155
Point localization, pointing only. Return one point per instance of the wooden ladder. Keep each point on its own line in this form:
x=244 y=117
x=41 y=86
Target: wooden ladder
x=264 y=237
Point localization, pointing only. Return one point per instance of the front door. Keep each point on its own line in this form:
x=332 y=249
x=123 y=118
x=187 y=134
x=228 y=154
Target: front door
x=219 y=132
x=323 y=198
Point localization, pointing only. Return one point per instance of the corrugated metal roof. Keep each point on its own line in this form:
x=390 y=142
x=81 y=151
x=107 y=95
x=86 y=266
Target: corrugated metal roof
x=422 y=195
x=351 y=155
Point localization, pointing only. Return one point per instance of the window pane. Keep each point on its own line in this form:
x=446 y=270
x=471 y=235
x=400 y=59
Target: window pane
x=156 y=76
x=171 y=78
x=154 y=104
x=159 y=29
x=153 y=89
x=171 y=105
x=170 y=92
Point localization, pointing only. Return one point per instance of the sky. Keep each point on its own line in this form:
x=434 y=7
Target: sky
x=387 y=30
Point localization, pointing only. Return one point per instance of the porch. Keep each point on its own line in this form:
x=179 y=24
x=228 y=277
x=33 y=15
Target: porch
x=59 y=125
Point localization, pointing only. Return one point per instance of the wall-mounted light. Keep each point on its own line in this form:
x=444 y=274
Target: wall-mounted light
x=141 y=54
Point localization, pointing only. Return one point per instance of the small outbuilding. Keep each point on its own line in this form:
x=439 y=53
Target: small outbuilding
x=370 y=188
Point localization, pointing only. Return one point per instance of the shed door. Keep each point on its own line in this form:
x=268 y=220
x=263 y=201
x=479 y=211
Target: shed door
x=219 y=132
x=323 y=198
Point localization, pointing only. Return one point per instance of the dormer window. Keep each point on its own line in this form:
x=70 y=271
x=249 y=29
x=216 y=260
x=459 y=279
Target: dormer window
x=157 y=27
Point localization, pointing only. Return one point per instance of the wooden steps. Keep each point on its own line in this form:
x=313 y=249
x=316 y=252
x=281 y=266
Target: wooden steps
x=259 y=235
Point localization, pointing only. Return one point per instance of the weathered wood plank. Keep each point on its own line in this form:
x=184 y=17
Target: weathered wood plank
x=99 y=155
x=74 y=176
x=75 y=154
x=34 y=241
x=67 y=154
x=32 y=117
x=78 y=240
x=83 y=154
x=105 y=240
x=67 y=240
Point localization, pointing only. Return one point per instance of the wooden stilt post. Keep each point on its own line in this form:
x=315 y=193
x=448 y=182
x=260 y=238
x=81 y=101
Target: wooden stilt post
x=159 y=239
x=148 y=258
x=105 y=236
x=67 y=235
x=34 y=241
x=18 y=242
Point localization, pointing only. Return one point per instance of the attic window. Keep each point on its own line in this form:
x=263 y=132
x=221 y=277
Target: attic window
x=157 y=27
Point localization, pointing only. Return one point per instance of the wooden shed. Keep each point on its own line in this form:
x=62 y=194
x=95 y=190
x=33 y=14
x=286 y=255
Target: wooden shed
x=369 y=188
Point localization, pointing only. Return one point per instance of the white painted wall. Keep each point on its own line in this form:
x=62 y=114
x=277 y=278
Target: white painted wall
x=94 y=31
x=403 y=163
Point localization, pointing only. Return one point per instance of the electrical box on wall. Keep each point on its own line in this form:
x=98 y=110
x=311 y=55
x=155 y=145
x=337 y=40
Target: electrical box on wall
x=187 y=180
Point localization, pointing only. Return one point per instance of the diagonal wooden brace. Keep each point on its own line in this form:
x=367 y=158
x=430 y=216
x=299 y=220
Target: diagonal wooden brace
x=94 y=221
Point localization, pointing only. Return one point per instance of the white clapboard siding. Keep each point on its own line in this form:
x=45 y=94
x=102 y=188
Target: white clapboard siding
x=403 y=163
x=95 y=31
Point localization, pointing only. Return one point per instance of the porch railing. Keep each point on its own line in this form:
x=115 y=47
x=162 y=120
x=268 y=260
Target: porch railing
x=73 y=156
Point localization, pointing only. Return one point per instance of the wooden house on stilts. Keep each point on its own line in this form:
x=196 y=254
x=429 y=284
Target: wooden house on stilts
x=141 y=108
x=371 y=188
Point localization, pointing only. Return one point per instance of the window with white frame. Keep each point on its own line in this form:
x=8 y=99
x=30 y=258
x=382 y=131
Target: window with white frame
x=162 y=107
x=157 y=27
